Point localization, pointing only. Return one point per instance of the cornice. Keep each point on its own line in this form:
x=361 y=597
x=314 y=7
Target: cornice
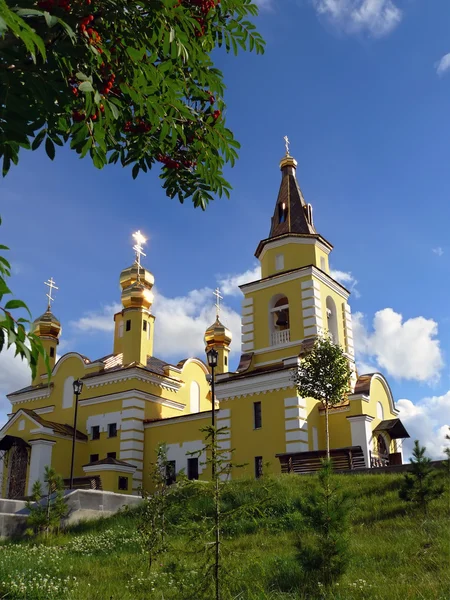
x=161 y=381
x=255 y=385
x=132 y=395
x=117 y=468
x=181 y=419
x=38 y=394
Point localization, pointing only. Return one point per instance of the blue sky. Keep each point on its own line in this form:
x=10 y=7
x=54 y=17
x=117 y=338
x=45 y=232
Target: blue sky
x=362 y=89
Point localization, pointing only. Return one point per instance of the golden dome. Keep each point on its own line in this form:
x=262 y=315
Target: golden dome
x=137 y=295
x=47 y=325
x=130 y=275
x=217 y=335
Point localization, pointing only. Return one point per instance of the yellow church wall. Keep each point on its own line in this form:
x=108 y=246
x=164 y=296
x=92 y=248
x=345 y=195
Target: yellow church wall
x=110 y=479
x=325 y=292
x=266 y=441
x=181 y=436
x=294 y=256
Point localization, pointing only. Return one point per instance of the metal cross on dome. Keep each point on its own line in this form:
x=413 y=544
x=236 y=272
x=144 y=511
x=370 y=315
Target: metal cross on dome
x=219 y=297
x=287 y=142
x=52 y=286
x=138 y=248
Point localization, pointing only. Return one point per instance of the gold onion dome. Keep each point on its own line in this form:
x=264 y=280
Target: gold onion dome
x=217 y=334
x=130 y=276
x=138 y=295
x=47 y=325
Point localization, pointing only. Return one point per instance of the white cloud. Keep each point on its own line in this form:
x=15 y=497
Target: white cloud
x=427 y=421
x=229 y=284
x=403 y=349
x=14 y=374
x=347 y=280
x=101 y=320
x=443 y=65
x=376 y=17
x=180 y=323
x=439 y=251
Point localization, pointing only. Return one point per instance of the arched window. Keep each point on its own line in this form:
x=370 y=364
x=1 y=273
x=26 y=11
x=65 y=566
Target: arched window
x=332 y=320
x=380 y=411
x=195 y=397
x=279 y=320
x=68 y=393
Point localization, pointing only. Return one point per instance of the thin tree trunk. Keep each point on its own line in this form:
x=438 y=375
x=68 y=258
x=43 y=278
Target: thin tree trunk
x=217 y=541
x=327 y=431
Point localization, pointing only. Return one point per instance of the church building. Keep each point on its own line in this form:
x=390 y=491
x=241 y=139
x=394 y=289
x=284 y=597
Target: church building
x=131 y=401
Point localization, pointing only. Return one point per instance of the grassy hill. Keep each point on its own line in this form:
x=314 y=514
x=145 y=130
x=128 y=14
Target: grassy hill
x=395 y=554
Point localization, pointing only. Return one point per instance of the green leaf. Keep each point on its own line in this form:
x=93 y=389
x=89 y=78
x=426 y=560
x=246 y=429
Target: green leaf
x=86 y=86
x=11 y=304
x=50 y=148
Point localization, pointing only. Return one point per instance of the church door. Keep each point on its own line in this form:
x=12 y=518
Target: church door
x=17 y=471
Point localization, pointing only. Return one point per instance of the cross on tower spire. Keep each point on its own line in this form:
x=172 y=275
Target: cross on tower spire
x=219 y=297
x=286 y=142
x=138 y=248
x=52 y=286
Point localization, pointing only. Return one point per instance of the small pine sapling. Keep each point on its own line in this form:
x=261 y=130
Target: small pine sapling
x=422 y=484
x=47 y=511
x=152 y=511
x=323 y=549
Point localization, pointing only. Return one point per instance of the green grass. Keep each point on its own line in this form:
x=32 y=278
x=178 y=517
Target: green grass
x=395 y=553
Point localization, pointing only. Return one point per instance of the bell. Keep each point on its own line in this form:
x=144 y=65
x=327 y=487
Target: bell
x=282 y=319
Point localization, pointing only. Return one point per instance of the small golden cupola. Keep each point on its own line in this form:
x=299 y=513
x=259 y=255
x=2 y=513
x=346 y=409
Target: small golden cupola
x=134 y=325
x=219 y=337
x=48 y=328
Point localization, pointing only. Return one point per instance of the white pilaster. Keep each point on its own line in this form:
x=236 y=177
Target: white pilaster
x=362 y=434
x=41 y=457
x=311 y=308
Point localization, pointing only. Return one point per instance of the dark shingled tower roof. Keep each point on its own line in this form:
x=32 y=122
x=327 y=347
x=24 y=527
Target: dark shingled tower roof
x=292 y=214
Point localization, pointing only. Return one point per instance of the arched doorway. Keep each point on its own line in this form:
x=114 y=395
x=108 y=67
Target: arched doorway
x=17 y=470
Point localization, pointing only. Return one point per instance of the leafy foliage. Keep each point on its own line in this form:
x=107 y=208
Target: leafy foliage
x=124 y=80
x=422 y=484
x=324 y=554
x=47 y=509
x=324 y=374
x=13 y=330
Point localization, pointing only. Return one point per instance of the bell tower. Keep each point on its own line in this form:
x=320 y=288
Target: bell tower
x=296 y=299
x=48 y=329
x=134 y=325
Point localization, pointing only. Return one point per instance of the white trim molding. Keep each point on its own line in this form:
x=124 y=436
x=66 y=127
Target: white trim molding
x=259 y=384
x=132 y=397
x=118 y=468
x=362 y=434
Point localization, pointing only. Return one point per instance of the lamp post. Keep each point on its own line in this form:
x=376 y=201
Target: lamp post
x=77 y=388
x=212 y=356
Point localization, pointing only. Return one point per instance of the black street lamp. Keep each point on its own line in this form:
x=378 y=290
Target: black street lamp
x=77 y=388
x=212 y=356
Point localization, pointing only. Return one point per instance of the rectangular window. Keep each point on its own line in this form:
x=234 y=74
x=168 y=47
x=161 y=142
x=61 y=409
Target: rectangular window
x=258 y=467
x=192 y=468
x=95 y=431
x=128 y=325
x=52 y=352
x=171 y=473
x=123 y=484
x=93 y=458
x=144 y=325
x=257 y=420
x=112 y=430
x=226 y=361
x=111 y=455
